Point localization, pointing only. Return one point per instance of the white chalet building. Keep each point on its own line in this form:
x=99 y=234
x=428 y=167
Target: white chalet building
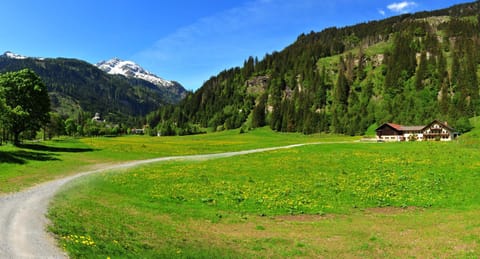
x=435 y=130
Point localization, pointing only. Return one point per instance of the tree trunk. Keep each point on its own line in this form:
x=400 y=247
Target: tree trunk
x=16 y=138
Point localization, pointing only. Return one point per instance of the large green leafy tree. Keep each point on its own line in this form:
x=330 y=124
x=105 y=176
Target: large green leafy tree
x=26 y=102
x=2 y=118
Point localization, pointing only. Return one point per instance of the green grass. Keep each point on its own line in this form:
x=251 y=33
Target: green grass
x=330 y=200
x=334 y=200
x=138 y=147
x=34 y=163
x=371 y=133
x=21 y=167
x=331 y=62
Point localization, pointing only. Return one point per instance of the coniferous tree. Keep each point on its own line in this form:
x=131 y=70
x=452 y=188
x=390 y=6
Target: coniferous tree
x=366 y=115
x=421 y=72
x=401 y=63
x=276 y=103
x=464 y=77
x=353 y=119
x=350 y=68
x=3 y=119
x=444 y=95
x=478 y=16
x=455 y=69
x=290 y=116
x=258 y=118
x=471 y=77
x=321 y=89
x=361 y=74
x=340 y=100
x=248 y=67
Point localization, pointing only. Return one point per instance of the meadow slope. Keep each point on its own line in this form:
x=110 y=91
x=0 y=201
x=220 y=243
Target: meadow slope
x=348 y=200
x=37 y=162
x=22 y=220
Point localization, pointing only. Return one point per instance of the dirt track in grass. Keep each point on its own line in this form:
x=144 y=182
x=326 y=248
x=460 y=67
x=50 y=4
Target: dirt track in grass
x=22 y=214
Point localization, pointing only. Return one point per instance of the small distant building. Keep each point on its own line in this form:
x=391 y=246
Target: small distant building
x=97 y=118
x=435 y=130
x=138 y=131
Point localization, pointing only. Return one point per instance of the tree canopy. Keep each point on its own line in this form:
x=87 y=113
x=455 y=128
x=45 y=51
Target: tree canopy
x=24 y=103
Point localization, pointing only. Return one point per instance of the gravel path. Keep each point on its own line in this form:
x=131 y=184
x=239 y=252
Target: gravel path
x=22 y=215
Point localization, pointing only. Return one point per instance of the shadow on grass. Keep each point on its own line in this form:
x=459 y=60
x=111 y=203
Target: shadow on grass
x=22 y=157
x=39 y=147
x=37 y=152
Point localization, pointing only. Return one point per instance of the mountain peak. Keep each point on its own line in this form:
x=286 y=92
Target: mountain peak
x=10 y=54
x=130 y=69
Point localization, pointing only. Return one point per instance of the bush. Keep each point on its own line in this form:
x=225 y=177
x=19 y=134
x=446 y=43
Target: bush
x=412 y=138
x=463 y=125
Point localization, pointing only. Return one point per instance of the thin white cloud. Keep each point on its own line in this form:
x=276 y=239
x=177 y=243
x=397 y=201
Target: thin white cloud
x=222 y=37
x=382 y=12
x=207 y=36
x=401 y=7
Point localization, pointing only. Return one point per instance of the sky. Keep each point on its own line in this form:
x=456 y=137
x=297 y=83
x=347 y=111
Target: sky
x=188 y=41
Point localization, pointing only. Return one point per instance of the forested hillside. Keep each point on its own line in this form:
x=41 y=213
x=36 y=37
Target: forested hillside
x=78 y=90
x=408 y=69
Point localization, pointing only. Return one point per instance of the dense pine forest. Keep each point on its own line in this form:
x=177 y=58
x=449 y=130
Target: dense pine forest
x=408 y=69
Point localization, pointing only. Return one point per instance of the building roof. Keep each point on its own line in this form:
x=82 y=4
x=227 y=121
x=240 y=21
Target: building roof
x=399 y=127
x=412 y=128
x=395 y=126
x=443 y=124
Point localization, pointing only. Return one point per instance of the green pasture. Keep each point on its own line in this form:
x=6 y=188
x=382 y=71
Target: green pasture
x=371 y=200
x=325 y=200
x=35 y=162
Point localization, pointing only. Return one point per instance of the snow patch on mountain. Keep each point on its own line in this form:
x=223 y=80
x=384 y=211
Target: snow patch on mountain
x=9 y=54
x=130 y=69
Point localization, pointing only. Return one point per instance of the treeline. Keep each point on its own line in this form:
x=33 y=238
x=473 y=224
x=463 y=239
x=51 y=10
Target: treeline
x=75 y=85
x=408 y=69
x=77 y=90
x=82 y=124
x=25 y=113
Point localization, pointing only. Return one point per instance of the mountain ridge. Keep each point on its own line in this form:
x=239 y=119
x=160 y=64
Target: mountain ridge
x=130 y=69
x=117 y=66
x=404 y=69
x=76 y=86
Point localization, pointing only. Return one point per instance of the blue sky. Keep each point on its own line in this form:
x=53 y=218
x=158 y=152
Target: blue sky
x=184 y=40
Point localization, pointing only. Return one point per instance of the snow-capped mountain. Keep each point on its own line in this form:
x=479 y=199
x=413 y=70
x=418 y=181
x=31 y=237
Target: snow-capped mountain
x=76 y=85
x=10 y=54
x=130 y=69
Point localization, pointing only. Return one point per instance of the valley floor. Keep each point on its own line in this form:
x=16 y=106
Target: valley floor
x=351 y=200
x=22 y=220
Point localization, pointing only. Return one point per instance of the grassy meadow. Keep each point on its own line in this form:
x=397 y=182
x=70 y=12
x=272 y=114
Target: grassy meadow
x=36 y=162
x=350 y=200
x=326 y=200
